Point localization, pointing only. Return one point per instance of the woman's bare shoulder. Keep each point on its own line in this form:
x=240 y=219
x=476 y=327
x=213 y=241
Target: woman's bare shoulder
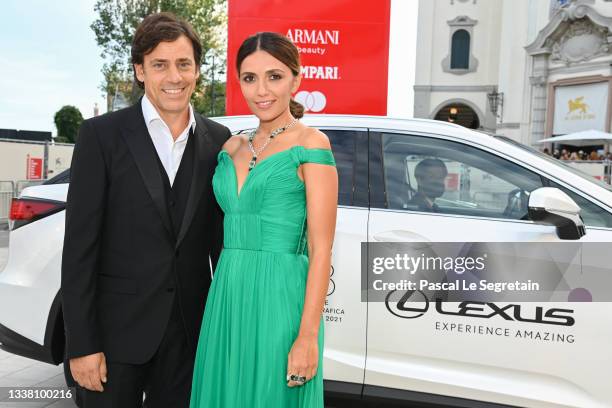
x=233 y=144
x=312 y=138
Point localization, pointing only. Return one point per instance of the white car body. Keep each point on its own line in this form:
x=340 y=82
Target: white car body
x=370 y=352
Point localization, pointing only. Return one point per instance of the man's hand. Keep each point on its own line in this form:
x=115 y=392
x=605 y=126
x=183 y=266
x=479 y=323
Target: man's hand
x=89 y=371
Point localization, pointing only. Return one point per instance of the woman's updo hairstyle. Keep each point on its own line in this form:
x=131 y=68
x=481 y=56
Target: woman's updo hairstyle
x=281 y=48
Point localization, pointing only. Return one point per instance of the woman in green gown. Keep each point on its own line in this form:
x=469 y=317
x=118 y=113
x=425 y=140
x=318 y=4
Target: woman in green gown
x=261 y=342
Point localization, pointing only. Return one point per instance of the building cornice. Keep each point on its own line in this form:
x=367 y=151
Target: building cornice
x=462 y=21
x=559 y=24
x=455 y=88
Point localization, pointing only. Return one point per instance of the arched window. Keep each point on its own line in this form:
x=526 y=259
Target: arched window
x=459 y=113
x=460 y=50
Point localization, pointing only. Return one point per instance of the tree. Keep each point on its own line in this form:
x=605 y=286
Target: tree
x=114 y=30
x=67 y=121
x=209 y=98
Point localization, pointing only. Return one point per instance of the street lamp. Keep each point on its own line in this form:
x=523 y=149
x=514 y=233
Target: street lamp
x=496 y=103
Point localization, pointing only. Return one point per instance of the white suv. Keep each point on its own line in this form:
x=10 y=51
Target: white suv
x=371 y=351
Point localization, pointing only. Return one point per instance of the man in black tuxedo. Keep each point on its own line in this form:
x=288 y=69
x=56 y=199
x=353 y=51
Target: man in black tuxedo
x=142 y=228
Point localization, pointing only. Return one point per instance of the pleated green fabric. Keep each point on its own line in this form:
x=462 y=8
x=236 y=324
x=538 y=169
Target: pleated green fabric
x=254 y=306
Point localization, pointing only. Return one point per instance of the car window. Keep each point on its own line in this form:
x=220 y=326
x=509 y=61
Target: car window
x=61 y=178
x=343 y=147
x=556 y=162
x=592 y=215
x=439 y=176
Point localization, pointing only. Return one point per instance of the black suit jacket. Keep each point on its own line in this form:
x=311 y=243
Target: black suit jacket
x=423 y=204
x=122 y=263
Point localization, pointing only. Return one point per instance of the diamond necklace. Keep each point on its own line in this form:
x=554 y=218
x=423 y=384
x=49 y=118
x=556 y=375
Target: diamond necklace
x=257 y=152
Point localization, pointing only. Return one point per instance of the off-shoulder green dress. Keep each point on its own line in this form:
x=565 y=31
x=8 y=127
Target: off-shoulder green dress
x=254 y=306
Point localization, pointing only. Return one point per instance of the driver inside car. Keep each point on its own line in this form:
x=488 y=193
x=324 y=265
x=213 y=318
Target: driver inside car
x=430 y=175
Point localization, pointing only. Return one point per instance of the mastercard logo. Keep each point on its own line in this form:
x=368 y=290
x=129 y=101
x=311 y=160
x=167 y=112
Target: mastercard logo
x=312 y=101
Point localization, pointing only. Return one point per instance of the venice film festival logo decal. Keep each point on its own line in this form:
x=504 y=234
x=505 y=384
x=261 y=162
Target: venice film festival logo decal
x=314 y=101
x=332 y=285
x=578 y=109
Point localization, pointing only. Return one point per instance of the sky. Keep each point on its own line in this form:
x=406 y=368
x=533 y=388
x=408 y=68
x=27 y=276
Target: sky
x=402 y=58
x=49 y=58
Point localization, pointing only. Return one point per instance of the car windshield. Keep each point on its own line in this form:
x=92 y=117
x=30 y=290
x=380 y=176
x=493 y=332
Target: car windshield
x=555 y=161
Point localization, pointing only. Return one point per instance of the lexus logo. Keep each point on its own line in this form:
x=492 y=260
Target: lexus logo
x=406 y=306
x=400 y=307
x=312 y=101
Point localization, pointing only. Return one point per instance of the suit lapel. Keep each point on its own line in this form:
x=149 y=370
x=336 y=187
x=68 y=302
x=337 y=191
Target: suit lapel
x=202 y=163
x=141 y=146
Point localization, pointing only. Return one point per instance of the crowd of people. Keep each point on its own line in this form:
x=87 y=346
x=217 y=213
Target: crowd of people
x=564 y=154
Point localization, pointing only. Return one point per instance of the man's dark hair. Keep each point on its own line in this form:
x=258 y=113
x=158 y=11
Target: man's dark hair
x=429 y=163
x=161 y=27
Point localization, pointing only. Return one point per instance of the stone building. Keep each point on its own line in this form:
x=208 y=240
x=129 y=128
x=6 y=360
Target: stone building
x=528 y=69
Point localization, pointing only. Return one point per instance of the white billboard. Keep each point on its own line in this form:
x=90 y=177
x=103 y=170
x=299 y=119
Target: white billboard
x=580 y=107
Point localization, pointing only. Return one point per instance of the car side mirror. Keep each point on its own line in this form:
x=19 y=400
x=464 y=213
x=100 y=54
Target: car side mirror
x=551 y=206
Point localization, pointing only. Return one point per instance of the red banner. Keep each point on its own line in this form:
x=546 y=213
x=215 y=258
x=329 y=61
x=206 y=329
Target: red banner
x=34 y=168
x=344 y=51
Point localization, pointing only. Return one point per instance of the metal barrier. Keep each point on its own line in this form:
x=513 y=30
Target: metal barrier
x=599 y=169
x=7 y=192
x=21 y=184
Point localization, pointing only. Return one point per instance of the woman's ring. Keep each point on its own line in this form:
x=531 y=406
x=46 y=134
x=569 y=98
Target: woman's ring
x=296 y=378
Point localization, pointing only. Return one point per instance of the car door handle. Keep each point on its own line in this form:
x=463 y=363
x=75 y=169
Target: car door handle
x=399 y=236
